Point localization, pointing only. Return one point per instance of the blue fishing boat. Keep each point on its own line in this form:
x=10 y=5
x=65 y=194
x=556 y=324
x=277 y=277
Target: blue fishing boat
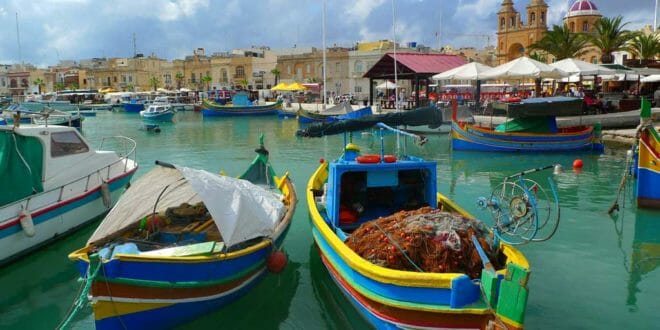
x=241 y=106
x=133 y=105
x=532 y=128
x=648 y=161
x=366 y=213
x=184 y=242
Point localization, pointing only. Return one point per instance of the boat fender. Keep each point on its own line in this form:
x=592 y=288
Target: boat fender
x=276 y=262
x=105 y=194
x=389 y=158
x=368 y=159
x=347 y=215
x=26 y=223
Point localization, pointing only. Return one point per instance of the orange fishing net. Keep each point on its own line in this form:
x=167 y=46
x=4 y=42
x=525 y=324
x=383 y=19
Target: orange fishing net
x=427 y=240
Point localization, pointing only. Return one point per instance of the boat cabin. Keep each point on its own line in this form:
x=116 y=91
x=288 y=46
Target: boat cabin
x=361 y=189
x=38 y=158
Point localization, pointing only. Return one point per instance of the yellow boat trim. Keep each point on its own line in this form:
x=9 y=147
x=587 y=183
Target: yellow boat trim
x=106 y=309
x=378 y=273
x=509 y=321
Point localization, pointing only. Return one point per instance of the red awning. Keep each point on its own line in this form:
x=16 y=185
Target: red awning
x=413 y=65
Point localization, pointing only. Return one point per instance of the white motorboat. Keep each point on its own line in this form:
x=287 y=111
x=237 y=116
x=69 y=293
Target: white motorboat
x=55 y=182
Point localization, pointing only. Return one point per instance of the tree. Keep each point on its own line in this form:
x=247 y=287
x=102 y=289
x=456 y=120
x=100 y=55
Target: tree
x=561 y=43
x=179 y=79
x=644 y=47
x=59 y=86
x=610 y=37
x=154 y=82
x=276 y=73
x=207 y=80
x=39 y=82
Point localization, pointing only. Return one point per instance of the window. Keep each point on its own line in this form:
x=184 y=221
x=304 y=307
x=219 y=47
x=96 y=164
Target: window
x=168 y=78
x=532 y=18
x=66 y=143
x=502 y=22
x=4 y=82
x=224 y=75
x=193 y=78
x=512 y=22
x=337 y=67
x=358 y=89
x=115 y=78
x=288 y=69
x=24 y=83
x=585 y=26
x=130 y=79
x=240 y=71
x=13 y=83
x=309 y=68
x=572 y=26
x=542 y=17
x=359 y=67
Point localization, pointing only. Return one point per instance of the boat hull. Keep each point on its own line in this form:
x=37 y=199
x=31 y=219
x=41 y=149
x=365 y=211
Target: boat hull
x=211 y=109
x=53 y=218
x=133 y=107
x=306 y=117
x=389 y=298
x=167 y=116
x=648 y=170
x=159 y=292
x=472 y=138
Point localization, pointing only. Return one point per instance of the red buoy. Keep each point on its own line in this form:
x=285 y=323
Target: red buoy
x=321 y=160
x=276 y=262
x=577 y=163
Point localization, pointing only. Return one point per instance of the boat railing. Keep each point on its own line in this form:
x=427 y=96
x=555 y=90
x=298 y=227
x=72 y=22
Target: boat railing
x=103 y=174
x=126 y=148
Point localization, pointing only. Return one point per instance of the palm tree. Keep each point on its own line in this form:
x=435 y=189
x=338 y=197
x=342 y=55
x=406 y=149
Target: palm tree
x=644 y=47
x=207 y=80
x=276 y=73
x=179 y=78
x=561 y=43
x=610 y=37
x=39 y=82
x=59 y=86
x=154 y=82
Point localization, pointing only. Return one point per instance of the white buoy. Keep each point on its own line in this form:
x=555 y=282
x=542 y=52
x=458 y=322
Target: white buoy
x=26 y=223
x=558 y=169
x=105 y=194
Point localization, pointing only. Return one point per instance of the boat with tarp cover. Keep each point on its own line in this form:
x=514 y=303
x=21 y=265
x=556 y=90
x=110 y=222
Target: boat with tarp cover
x=532 y=127
x=241 y=106
x=54 y=181
x=405 y=255
x=342 y=111
x=184 y=242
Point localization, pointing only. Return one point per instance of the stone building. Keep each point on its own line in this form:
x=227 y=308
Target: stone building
x=581 y=17
x=513 y=35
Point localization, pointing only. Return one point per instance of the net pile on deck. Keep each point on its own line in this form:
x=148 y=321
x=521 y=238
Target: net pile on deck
x=425 y=239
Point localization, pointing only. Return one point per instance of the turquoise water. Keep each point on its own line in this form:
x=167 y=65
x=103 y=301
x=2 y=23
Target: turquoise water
x=597 y=271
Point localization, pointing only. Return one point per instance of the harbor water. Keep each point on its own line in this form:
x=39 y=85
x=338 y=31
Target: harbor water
x=597 y=272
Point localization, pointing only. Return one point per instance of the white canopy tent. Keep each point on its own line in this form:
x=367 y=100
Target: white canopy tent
x=469 y=71
x=523 y=68
x=578 y=67
x=387 y=85
x=651 y=78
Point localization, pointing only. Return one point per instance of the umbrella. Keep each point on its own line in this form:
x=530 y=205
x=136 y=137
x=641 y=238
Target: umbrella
x=469 y=71
x=280 y=87
x=296 y=86
x=523 y=67
x=574 y=66
x=387 y=85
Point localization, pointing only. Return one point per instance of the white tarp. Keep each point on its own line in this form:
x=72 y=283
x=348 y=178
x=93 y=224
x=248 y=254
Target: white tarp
x=469 y=71
x=387 y=85
x=521 y=68
x=240 y=209
x=651 y=78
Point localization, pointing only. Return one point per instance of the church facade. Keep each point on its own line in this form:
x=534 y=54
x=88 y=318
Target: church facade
x=515 y=36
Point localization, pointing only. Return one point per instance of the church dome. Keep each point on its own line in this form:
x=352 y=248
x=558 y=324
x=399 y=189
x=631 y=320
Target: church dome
x=583 y=8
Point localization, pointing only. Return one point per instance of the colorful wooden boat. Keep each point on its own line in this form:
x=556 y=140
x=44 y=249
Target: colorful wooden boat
x=526 y=134
x=54 y=182
x=156 y=261
x=241 y=106
x=391 y=298
x=648 y=162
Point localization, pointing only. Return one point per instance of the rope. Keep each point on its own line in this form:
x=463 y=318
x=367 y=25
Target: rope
x=398 y=247
x=82 y=297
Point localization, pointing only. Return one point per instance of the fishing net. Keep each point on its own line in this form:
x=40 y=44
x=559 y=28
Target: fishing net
x=425 y=240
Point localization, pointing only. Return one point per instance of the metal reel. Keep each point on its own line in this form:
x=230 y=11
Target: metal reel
x=522 y=210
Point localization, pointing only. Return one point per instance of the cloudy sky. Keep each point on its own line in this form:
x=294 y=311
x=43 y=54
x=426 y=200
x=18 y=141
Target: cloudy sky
x=53 y=30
